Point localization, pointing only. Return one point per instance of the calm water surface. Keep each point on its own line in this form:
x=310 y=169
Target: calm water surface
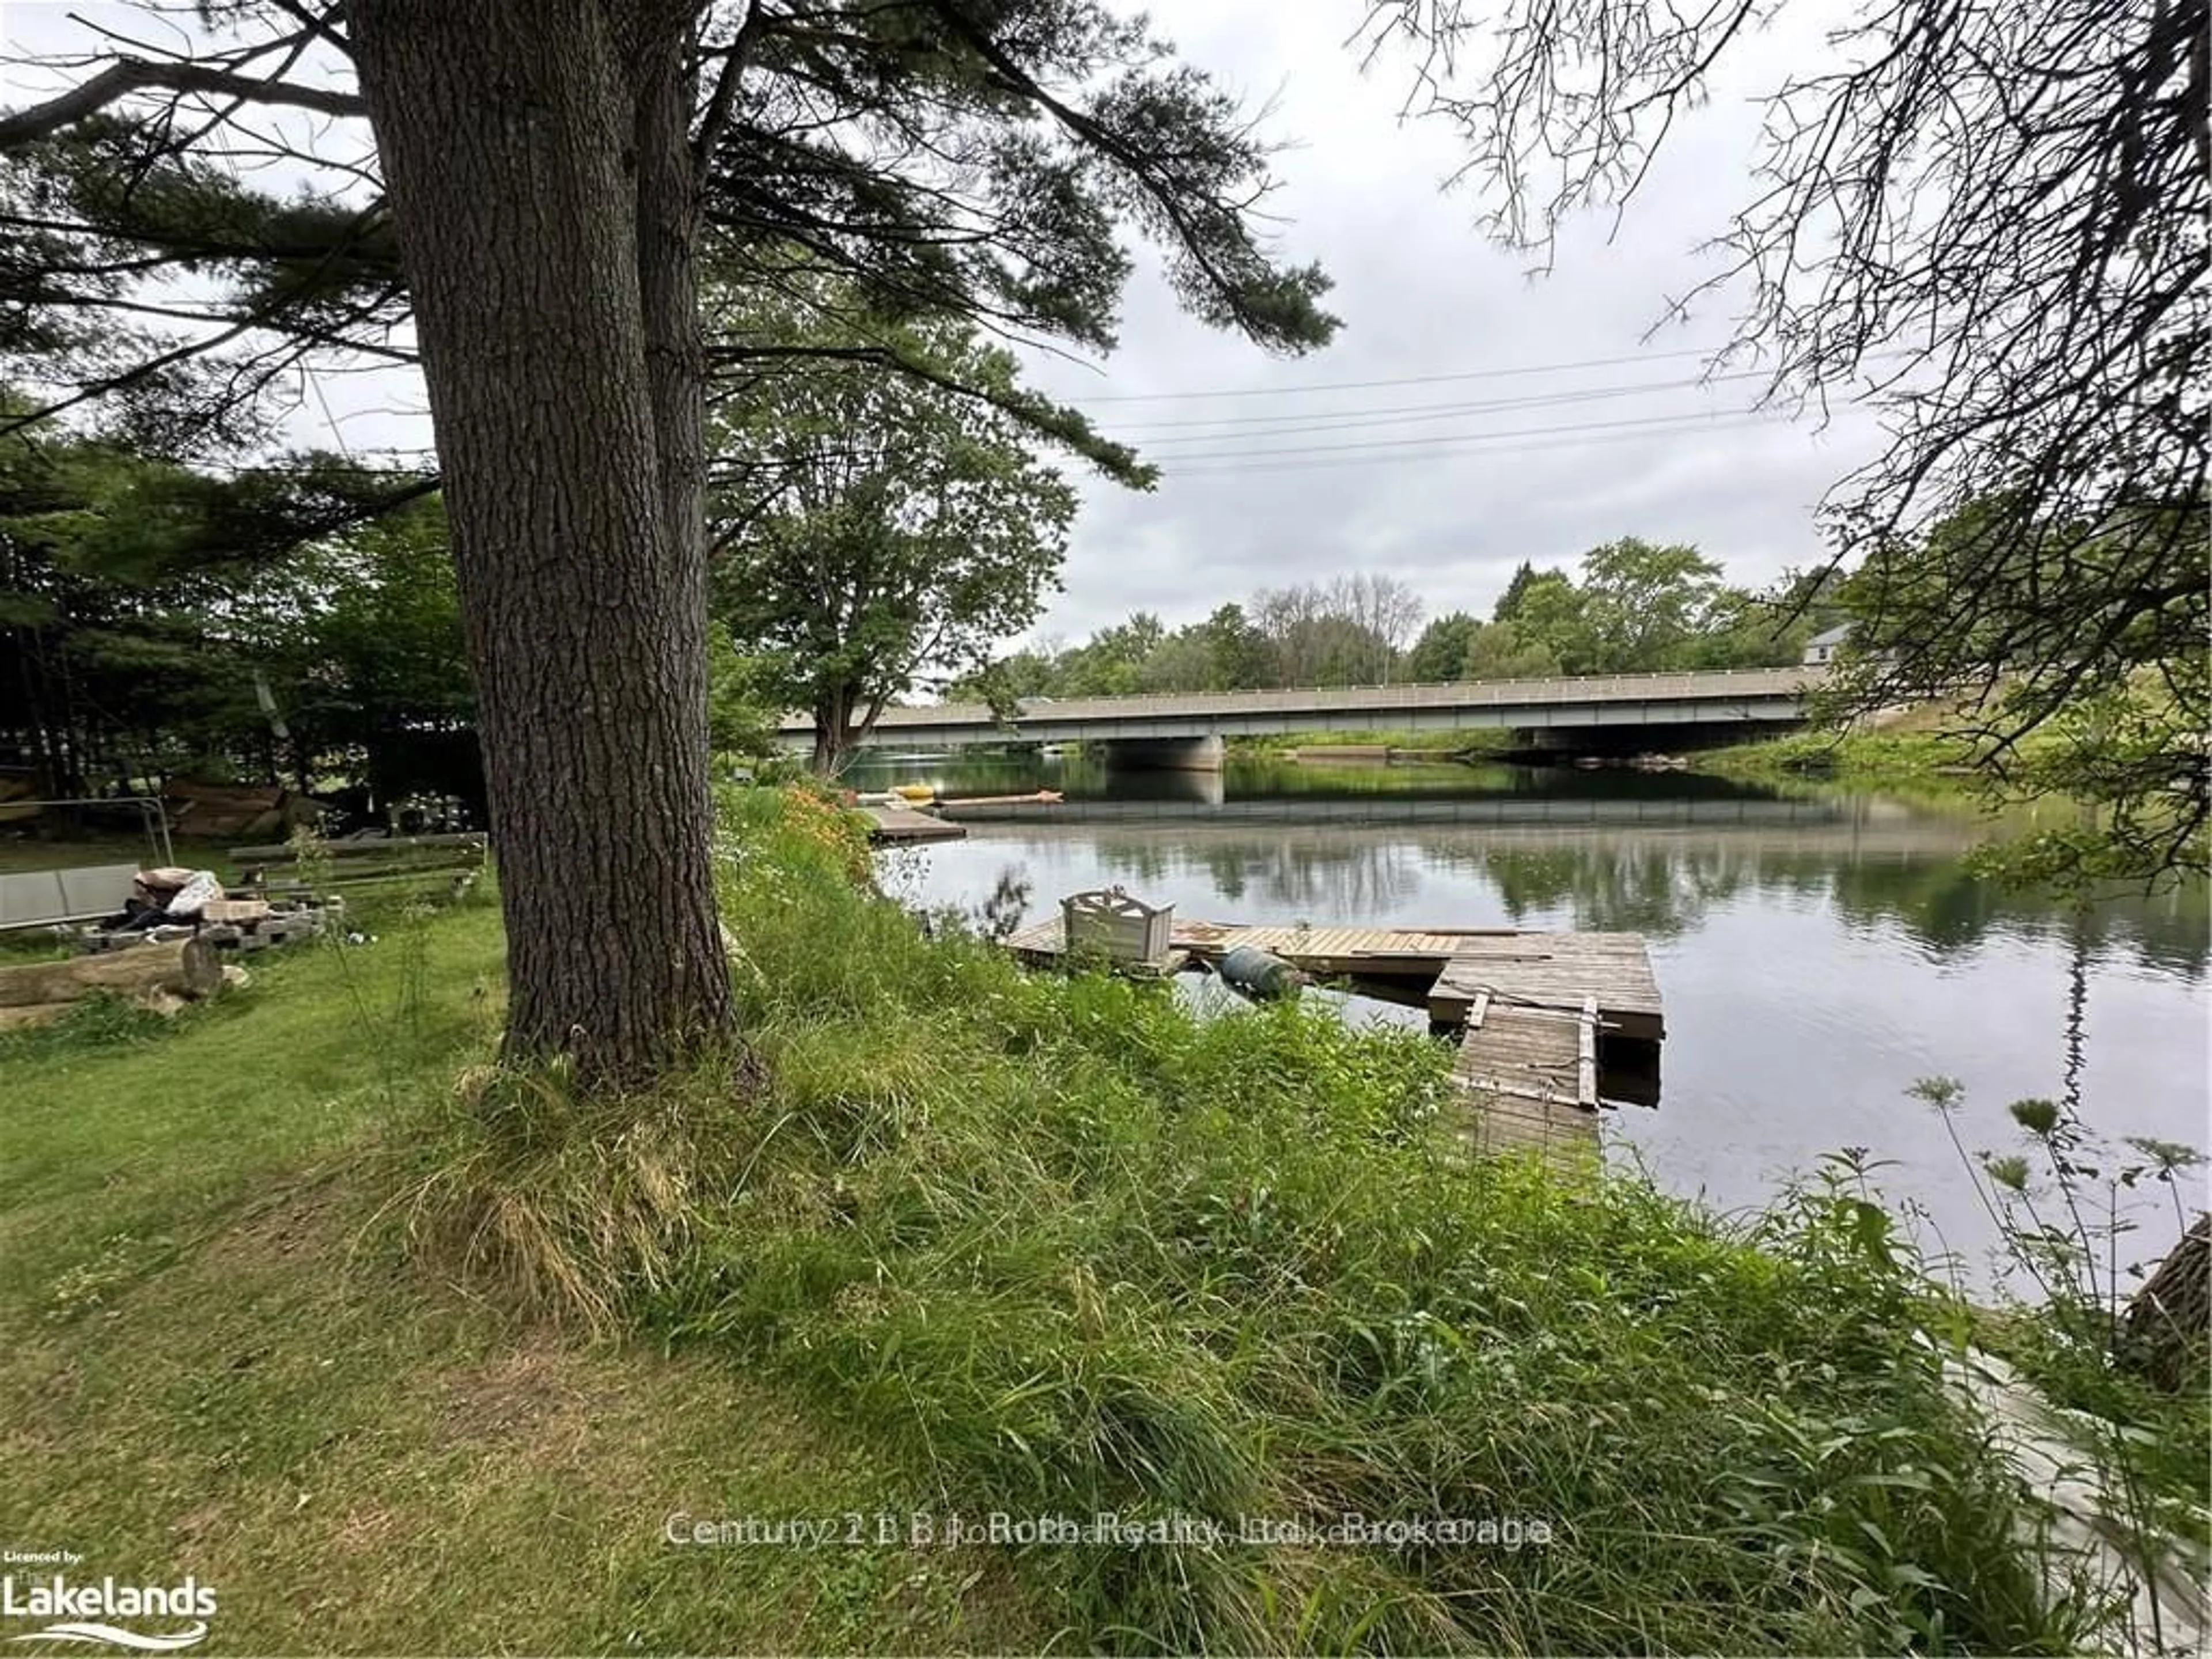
x=1818 y=952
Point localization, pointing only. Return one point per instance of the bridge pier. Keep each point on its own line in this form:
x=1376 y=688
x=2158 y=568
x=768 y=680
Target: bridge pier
x=1165 y=753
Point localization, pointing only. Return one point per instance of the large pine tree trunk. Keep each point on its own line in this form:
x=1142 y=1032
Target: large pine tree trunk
x=510 y=133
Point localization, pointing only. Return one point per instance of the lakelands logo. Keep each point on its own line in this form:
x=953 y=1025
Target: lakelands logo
x=83 y=1611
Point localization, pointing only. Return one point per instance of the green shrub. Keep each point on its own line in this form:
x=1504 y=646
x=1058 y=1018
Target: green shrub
x=1063 y=1246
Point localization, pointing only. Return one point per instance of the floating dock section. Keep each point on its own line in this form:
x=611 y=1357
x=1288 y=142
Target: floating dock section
x=904 y=826
x=1551 y=1027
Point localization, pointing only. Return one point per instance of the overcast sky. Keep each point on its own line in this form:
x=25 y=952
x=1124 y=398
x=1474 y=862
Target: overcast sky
x=1447 y=496
x=1422 y=294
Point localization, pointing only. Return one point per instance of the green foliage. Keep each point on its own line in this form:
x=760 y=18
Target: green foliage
x=1508 y=608
x=2074 y=655
x=741 y=720
x=143 y=608
x=2134 y=755
x=878 y=527
x=1440 y=654
x=1060 y=1245
x=1459 y=648
x=1113 y=662
x=2074 y=1212
x=1065 y=129
x=1236 y=654
x=1554 y=613
x=1639 y=608
x=1642 y=603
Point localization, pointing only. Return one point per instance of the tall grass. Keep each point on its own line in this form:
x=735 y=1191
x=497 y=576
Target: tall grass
x=1060 y=1246
x=2066 y=1207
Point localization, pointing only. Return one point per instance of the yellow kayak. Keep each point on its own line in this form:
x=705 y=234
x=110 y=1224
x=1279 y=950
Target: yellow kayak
x=915 y=791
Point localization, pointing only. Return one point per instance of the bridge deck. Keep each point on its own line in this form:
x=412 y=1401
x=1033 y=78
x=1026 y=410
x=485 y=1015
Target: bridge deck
x=1719 y=697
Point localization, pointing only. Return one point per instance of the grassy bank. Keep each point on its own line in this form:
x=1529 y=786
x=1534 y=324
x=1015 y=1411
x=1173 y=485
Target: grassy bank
x=218 y=1363
x=406 y=1353
x=1913 y=760
x=1440 y=746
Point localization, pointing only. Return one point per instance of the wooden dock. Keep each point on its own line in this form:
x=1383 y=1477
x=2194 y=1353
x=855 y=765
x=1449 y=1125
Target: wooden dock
x=903 y=826
x=1415 y=956
x=1535 y=1012
x=1556 y=971
x=1530 y=1078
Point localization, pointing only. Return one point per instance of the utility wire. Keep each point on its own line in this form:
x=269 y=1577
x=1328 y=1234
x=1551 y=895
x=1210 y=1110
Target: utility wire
x=1274 y=426
x=1694 y=418
x=1408 y=379
x=1175 y=471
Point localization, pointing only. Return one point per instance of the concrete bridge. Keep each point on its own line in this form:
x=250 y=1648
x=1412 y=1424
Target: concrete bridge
x=1184 y=730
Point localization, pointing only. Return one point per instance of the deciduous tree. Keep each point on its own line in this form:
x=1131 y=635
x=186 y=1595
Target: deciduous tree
x=1985 y=220
x=886 y=530
x=546 y=180
x=1644 y=603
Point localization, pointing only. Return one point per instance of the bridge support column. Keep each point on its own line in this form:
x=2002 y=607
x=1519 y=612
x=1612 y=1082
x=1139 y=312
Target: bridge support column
x=1165 y=753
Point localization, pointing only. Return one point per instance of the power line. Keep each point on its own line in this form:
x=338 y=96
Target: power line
x=1464 y=437
x=1529 y=400
x=1274 y=426
x=1409 y=379
x=1538 y=447
x=1738 y=424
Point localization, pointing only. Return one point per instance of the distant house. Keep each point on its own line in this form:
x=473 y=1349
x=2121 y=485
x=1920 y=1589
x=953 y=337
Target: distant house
x=1821 y=648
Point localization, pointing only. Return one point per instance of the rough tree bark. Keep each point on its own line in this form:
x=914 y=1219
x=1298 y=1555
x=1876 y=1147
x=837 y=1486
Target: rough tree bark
x=833 y=745
x=2167 y=1334
x=526 y=146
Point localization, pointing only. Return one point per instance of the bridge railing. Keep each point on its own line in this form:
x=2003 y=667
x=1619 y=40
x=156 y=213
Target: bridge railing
x=1356 y=699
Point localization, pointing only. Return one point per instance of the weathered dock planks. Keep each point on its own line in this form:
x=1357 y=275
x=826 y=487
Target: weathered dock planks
x=1529 y=1007
x=1556 y=970
x=1529 y=1078
x=1455 y=966
x=902 y=826
x=1366 y=952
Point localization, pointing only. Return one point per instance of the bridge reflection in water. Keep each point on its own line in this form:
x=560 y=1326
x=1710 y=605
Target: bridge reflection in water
x=1214 y=806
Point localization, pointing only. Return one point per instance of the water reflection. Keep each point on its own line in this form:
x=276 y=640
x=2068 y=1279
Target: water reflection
x=1608 y=850
x=1661 y=885
x=1819 y=952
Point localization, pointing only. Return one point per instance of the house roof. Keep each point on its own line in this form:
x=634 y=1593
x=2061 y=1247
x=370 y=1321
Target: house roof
x=1835 y=636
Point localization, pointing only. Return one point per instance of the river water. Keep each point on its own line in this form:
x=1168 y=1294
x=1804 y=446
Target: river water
x=1817 y=952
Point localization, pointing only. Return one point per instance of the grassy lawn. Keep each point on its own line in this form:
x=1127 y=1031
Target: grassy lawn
x=215 y=1366
x=405 y=1352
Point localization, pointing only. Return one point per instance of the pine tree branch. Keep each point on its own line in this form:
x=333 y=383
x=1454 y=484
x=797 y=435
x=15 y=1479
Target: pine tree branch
x=129 y=75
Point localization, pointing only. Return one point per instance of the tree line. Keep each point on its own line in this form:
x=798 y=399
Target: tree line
x=157 y=622
x=871 y=535
x=578 y=221
x=1630 y=607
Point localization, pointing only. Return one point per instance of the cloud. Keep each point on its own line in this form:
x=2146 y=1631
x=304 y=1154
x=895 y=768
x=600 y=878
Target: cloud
x=1451 y=503
x=1547 y=462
